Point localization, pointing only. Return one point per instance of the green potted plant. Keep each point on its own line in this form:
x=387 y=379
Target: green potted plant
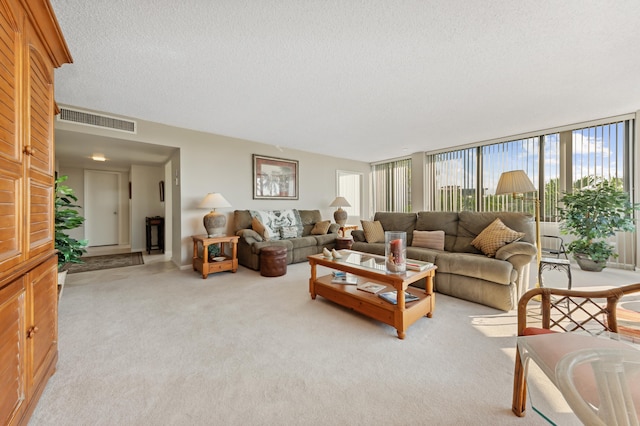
x=67 y=217
x=593 y=214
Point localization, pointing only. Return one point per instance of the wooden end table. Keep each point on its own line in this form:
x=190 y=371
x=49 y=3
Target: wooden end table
x=344 y=243
x=226 y=263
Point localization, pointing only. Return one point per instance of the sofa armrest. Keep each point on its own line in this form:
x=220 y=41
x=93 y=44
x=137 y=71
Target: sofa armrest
x=333 y=228
x=518 y=253
x=358 y=235
x=249 y=236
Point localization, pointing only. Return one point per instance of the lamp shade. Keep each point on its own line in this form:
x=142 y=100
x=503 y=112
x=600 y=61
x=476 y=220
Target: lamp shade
x=215 y=223
x=214 y=200
x=340 y=202
x=514 y=182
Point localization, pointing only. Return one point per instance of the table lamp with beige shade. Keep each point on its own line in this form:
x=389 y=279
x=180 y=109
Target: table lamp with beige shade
x=340 y=215
x=214 y=222
x=517 y=183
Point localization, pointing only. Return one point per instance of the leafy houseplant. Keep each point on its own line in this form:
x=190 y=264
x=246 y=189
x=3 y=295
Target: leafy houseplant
x=213 y=250
x=593 y=214
x=67 y=217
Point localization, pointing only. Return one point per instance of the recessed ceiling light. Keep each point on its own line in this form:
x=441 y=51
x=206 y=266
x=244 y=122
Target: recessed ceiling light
x=98 y=157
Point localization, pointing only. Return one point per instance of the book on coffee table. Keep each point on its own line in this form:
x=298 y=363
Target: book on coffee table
x=418 y=265
x=344 y=278
x=371 y=287
x=391 y=297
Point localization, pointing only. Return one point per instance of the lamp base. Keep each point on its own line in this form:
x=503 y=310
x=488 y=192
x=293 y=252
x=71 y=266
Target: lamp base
x=215 y=223
x=340 y=216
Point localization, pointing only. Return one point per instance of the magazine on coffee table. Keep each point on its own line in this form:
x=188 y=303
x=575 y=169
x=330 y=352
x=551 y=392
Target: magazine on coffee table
x=371 y=287
x=391 y=297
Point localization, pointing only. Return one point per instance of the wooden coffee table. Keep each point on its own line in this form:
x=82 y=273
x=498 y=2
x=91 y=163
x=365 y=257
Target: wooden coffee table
x=368 y=267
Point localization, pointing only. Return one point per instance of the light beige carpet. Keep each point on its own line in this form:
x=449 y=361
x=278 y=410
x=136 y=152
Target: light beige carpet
x=154 y=345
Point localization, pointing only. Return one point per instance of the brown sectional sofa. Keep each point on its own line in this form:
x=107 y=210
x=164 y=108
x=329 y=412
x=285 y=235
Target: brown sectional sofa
x=250 y=242
x=463 y=271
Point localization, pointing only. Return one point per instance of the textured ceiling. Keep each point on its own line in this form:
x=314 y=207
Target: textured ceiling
x=365 y=79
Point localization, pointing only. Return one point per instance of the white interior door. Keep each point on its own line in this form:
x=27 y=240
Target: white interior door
x=101 y=207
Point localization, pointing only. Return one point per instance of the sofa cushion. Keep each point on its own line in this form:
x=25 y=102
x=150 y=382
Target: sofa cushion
x=373 y=231
x=446 y=221
x=257 y=247
x=321 y=228
x=273 y=220
x=309 y=218
x=476 y=266
x=428 y=239
x=395 y=221
x=494 y=236
x=260 y=229
x=289 y=232
x=242 y=219
x=301 y=242
x=470 y=224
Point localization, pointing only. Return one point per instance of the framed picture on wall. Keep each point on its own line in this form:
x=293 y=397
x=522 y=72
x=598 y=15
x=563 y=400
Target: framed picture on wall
x=274 y=178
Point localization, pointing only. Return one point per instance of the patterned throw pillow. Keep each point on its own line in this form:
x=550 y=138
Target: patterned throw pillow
x=263 y=231
x=288 y=232
x=428 y=239
x=321 y=228
x=273 y=220
x=373 y=231
x=495 y=236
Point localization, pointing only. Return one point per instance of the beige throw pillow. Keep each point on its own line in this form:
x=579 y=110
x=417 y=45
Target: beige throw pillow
x=321 y=228
x=428 y=239
x=373 y=231
x=262 y=230
x=495 y=236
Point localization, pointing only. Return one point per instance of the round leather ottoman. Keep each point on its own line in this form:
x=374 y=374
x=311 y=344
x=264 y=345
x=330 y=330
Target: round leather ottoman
x=273 y=261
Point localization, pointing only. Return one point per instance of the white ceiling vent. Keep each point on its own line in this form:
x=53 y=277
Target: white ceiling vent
x=95 y=120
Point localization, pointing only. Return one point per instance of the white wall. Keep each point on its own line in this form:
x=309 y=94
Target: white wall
x=214 y=163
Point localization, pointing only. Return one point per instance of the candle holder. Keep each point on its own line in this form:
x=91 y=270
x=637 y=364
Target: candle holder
x=395 y=251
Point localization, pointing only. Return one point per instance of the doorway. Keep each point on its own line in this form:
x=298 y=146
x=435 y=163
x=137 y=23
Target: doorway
x=101 y=207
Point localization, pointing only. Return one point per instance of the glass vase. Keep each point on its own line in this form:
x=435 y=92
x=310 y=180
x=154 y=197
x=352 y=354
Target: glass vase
x=395 y=251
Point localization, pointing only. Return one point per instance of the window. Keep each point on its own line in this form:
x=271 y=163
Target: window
x=555 y=162
x=391 y=186
x=455 y=177
x=350 y=187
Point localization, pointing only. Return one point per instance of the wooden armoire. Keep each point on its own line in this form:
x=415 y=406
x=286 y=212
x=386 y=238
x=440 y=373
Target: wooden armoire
x=31 y=46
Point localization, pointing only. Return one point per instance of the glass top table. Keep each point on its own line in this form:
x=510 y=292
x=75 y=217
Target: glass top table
x=588 y=371
x=368 y=267
x=375 y=262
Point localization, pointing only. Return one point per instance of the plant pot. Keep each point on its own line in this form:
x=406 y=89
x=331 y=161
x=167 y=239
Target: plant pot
x=587 y=264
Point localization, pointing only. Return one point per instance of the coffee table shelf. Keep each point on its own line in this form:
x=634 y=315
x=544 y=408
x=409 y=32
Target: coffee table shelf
x=400 y=316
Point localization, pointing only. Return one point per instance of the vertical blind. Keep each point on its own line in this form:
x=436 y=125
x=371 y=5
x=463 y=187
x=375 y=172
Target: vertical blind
x=391 y=186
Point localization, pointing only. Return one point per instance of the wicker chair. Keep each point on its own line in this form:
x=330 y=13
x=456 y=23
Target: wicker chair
x=557 y=310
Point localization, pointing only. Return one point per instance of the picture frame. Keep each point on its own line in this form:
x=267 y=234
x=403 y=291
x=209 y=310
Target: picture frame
x=274 y=178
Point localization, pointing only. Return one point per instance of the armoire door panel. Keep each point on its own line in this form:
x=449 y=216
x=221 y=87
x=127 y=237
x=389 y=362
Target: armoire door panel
x=12 y=343
x=11 y=217
x=38 y=154
x=8 y=86
x=41 y=217
x=43 y=338
x=41 y=114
